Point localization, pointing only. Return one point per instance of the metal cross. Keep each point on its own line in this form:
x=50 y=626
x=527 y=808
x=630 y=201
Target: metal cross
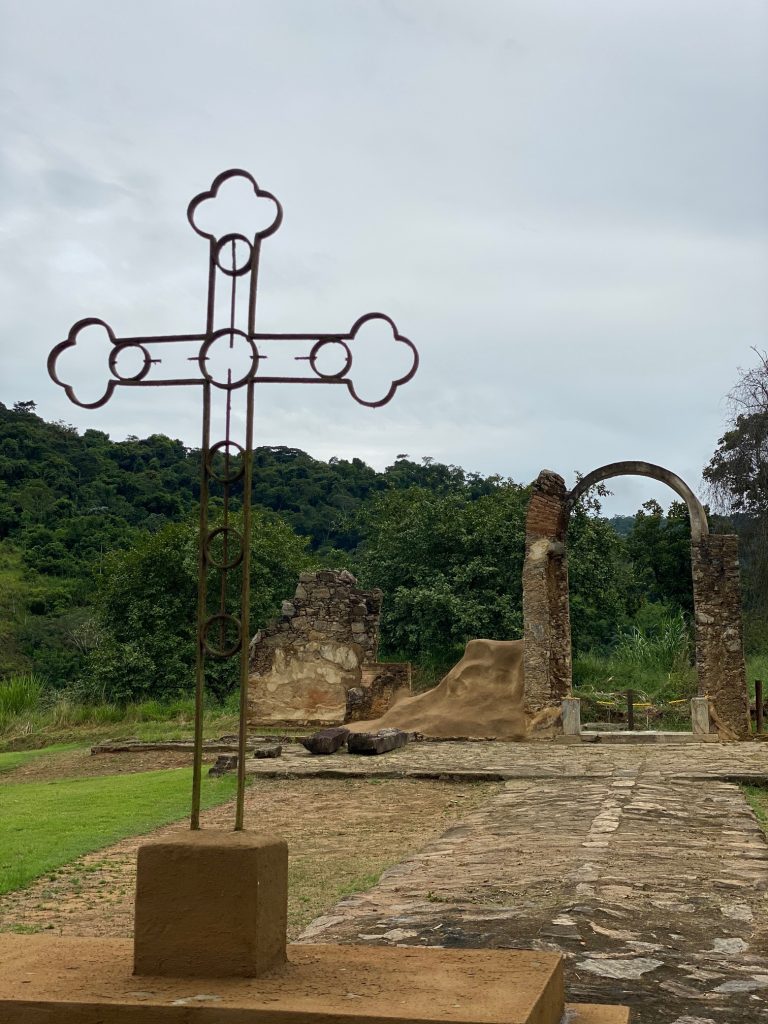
x=226 y=463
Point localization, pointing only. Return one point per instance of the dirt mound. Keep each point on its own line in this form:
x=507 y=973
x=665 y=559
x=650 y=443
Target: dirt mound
x=480 y=698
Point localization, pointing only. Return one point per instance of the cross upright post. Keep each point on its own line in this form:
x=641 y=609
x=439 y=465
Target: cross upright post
x=223 y=630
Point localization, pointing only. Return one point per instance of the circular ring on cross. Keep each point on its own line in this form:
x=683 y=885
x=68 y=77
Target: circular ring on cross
x=234 y=464
x=251 y=354
x=222 y=620
x=240 y=253
x=231 y=541
x=322 y=347
x=130 y=346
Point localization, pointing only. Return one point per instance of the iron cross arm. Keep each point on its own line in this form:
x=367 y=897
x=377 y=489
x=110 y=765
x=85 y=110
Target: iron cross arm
x=149 y=352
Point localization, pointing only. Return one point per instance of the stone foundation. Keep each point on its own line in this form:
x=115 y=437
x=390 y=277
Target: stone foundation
x=719 y=637
x=546 y=619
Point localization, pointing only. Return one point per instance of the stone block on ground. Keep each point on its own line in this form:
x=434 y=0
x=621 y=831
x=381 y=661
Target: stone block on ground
x=376 y=742
x=268 y=750
x=326 y=741
x=224 y=763
x=571 y=716
x=700 y=722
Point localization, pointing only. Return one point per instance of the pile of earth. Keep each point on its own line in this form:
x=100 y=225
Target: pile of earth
x=480 y=698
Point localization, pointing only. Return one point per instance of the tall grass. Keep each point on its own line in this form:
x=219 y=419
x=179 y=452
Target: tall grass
x=19 y=695
x=33 y=714
x=655 y=662
x=757 y=668
x=666 y=648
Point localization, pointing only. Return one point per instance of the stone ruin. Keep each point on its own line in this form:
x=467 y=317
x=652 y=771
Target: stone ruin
x=716 y=597
x=316 y=664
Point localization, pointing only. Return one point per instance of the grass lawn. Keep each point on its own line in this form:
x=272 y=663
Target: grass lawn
x=46 y=824
x=9 y=761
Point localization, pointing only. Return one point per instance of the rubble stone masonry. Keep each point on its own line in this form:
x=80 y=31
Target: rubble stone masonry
x=546 y=620
x=719 y=636
x=304 y=664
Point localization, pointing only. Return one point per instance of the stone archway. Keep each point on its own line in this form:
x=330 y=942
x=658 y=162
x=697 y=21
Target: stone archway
x=716 y=597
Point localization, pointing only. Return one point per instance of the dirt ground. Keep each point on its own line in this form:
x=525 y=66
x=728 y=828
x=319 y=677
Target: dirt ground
x=77 y=764
x=341 y=835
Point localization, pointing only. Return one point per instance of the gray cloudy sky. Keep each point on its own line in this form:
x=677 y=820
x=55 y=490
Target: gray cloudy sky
x=563 y=203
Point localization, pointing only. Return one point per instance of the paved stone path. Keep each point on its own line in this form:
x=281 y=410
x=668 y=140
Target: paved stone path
x=645 y=869
x=502 y=761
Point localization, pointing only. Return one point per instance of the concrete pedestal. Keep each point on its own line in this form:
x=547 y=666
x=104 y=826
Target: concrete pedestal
x=211 y=904
x=63 y=980
x=571 y=716
x=700 y=723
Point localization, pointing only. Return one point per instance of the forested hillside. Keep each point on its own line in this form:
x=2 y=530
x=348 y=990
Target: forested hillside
x=97 y=555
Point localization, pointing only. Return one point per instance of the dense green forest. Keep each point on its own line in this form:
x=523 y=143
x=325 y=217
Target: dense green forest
x=98 y=563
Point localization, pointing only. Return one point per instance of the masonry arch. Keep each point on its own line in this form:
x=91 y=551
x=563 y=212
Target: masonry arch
x=716 y=597
x=699 y=524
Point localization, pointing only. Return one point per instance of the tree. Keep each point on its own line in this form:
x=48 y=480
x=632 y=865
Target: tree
x=600 y=578
x=148 y=602
x=737 y=475
x=660 y=548
x=450 y=568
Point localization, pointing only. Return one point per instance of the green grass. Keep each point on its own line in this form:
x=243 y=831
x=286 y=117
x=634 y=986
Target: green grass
x=361 y=883
x=12 y=760
x=757 y=668
x=757 y=798
x=46 y=825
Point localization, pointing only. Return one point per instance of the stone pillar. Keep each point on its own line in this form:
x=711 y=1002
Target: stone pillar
x=719 y=638
x=571 y=716
x=546 y=619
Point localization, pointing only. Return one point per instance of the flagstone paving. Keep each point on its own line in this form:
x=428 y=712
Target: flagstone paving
x=501 y=761
x=640 y=864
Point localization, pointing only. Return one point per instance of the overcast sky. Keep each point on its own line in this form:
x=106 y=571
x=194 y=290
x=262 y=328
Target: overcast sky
x=563 y=203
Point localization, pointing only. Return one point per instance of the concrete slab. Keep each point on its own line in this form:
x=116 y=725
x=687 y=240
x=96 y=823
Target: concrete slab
x=89 y=980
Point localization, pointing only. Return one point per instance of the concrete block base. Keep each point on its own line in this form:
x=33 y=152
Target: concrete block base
x=571 y=716
x=211 y=904
x=700 y=721
x=89 y=981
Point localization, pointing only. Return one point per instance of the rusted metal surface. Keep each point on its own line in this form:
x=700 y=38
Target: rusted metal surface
x=227 y=461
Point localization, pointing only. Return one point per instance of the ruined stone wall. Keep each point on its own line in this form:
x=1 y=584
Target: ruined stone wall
x=380 y=687
x=303 y=663
x=327 y=605
x=546 y=618
x=719 y=637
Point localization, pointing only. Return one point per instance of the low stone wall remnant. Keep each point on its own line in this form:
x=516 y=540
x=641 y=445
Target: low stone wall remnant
x=381 y=685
